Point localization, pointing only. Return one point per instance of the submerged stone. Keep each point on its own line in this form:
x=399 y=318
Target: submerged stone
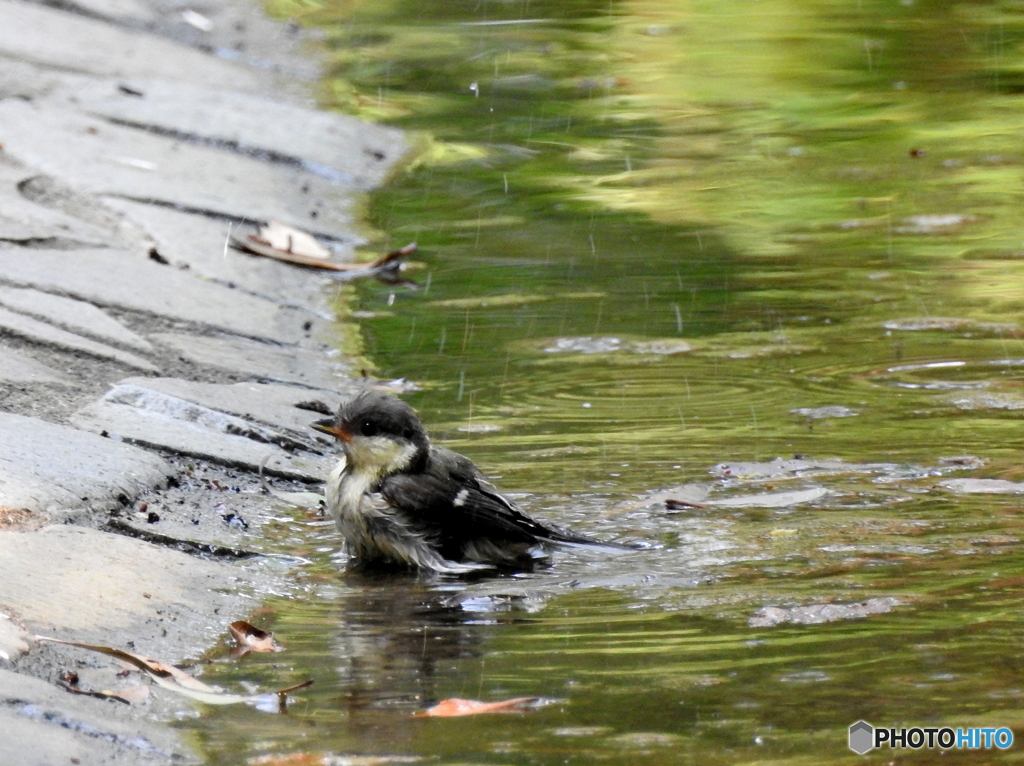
x=830 y=411
x=814 y=614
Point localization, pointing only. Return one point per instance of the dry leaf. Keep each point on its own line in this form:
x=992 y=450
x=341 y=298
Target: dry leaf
x=251 y=639
x=170 y=677
x=450 y=708
x=386 y=268
x=294 y=241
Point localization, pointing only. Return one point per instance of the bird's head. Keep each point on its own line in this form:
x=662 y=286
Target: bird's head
x=380 y=434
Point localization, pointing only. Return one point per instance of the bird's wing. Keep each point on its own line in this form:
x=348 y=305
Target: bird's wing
x=461 y=509
x=452 y=503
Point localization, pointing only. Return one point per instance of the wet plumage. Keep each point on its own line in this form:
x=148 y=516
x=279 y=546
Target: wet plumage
x=399 y=500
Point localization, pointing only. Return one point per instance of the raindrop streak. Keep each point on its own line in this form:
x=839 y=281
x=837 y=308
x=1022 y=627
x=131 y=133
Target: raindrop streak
x=679 y=318
x=757 y=433
x=504 y=376
x=227 y=240
x=462 y=385
x=466 y=332
x=441 y=342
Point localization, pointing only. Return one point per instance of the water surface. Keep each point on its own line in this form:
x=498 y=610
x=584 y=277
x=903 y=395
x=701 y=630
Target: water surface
x=657 y=237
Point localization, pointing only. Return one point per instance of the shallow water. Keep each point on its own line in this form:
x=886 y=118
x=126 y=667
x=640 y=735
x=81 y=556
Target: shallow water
x=658 y=237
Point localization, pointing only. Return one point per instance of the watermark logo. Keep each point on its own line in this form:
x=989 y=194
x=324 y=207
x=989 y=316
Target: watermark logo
x=864 y=737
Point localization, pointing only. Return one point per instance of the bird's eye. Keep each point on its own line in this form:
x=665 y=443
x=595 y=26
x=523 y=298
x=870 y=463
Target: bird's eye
x=368 y=428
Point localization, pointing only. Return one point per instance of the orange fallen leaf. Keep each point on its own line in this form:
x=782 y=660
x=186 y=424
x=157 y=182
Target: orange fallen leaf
x=251 y=639
x=450 y=708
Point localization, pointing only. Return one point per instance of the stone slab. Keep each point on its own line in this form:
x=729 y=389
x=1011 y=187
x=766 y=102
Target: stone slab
x=269 y=403
x=16 y=367
x=82 y=584
x=137 y=11
x=44 y=725
x=98 y=157
x=74 y=315
x=47 y=468
x=261 y=361
x=202 y=243
x=13 y=639
x=23 y=221
x=330 y=145
x=815 y=614
x=31 y=329
x=133 y=281
x=149 y=418
x=21 y=79
x=63 y=41
x=236 y=30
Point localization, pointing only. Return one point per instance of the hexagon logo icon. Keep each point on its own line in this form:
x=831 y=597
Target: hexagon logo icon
x=862 y=735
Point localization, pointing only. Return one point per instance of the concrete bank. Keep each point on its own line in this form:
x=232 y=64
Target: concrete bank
x=145 y=369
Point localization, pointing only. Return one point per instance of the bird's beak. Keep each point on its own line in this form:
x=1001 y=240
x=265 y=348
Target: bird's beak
x=333 y=427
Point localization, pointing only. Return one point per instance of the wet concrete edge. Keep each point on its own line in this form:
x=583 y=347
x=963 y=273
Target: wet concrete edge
x=146 y=369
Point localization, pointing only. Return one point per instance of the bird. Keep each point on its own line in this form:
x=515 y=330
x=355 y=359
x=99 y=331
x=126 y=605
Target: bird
x=401 y=502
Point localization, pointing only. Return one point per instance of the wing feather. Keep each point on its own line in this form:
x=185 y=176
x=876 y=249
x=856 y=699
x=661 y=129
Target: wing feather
x=451 y=502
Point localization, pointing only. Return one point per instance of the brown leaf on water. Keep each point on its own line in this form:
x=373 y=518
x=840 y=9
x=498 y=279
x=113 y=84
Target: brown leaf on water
x=451 y=708
x=251 y=639
x=170 y=677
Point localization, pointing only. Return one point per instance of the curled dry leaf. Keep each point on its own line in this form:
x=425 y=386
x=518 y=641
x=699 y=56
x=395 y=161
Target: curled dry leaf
x=288 y=239
x=451 y=708
x=170 y=677
x=284 y=243
x=251 y=639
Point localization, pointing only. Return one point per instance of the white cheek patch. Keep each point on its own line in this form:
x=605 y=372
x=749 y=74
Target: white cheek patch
x=379 y=456
x=460 y=498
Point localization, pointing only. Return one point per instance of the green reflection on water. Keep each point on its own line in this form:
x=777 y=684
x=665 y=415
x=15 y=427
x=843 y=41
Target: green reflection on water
x=651 y=231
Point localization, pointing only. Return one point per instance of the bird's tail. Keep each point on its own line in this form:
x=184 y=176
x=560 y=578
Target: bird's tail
x=567 y=539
